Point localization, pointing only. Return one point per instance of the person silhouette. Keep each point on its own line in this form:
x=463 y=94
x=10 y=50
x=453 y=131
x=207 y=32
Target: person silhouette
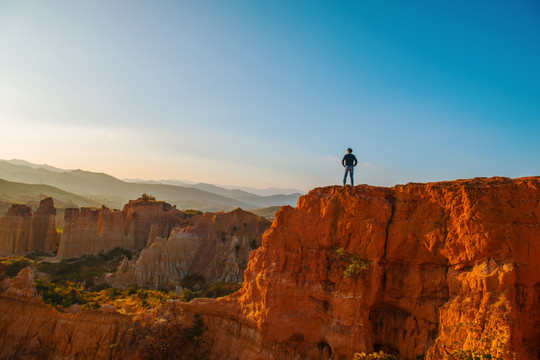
x=349 y=162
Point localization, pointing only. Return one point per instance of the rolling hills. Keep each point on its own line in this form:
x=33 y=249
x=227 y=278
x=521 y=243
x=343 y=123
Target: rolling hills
x=91 y=189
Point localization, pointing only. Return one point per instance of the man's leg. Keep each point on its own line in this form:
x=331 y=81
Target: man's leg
x=352 y=173
x=345 y=177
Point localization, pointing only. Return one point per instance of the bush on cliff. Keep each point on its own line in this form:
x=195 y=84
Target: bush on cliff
x=146 y=198
x=188 y=213
x=373 y=356
x=60 y=297
x=220 y=289
x=354 y=264
x=131 y=300
x=14 y=265
x=163 y=335
x=84 y=267
x=479 y=344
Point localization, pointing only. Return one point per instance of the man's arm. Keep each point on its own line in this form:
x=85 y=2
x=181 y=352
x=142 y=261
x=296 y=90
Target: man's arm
x=343 y=161
x=355 y=161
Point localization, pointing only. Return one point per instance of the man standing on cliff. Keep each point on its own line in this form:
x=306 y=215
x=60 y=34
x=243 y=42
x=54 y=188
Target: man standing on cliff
x=349 y=162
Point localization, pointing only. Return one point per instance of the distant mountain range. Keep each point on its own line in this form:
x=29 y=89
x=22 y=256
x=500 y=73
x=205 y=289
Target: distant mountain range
x=85 y=188
x=260 y=192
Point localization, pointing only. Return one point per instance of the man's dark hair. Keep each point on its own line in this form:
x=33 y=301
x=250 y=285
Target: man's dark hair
x=349 y=150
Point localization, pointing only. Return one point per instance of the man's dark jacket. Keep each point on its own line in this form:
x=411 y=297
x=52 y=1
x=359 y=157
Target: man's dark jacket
x=349 y=160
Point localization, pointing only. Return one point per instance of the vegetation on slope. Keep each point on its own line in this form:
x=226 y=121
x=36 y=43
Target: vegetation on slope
x=268 y=213
x=81 y=281
x=114 y=193
x=31 y=195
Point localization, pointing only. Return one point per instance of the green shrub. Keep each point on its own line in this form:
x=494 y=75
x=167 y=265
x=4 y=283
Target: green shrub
x=146 y=198
x=164 y=336
x=340 y=253
x=13 y=266
x=91 y=305
x=83 y=268
x=195 y=332
x=114 y=293
x=187 y=295
x=188 y=213
x=355 y=264
x=373 y=356
x=59 y=296
x=355 y=267
x=220 y=288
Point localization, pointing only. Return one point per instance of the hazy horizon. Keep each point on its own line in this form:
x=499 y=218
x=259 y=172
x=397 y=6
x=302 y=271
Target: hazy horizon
x=180 y=182
x=270 y=93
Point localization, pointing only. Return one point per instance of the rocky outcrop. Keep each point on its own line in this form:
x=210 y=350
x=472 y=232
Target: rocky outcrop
x=33 y=330
x=90 y=231
x=22 y=231
x=207 y=248
x=30 y=329
x=44 y=236
x=23 y=285
x=415 y=270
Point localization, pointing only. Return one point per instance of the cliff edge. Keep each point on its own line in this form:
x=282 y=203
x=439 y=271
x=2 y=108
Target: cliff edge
x=416 y=270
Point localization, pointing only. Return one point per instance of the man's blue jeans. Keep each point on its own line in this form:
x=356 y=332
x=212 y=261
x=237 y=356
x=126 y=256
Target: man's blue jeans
x=348 y=170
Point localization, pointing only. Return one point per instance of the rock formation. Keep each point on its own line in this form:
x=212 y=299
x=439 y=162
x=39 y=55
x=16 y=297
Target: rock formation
x=30 y=329
x=414 y=270
x=33 y=330
x=44 y=236
x=90 y=231
x=4 y=279
x=23 y=285
x=21 y=231
x=210 y=247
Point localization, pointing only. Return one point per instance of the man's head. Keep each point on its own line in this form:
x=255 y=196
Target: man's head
x=349 y=150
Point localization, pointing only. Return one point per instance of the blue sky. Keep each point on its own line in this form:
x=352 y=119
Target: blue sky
x=271 y=93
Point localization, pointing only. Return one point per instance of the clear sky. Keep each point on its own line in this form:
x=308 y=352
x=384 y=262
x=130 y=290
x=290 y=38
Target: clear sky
x=271 y=93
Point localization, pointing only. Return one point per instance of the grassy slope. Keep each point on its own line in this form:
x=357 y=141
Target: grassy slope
x=114 y=192
x=31 y=195
x=268 y=212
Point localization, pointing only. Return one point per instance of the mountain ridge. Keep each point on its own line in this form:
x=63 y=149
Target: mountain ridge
x=114 y=192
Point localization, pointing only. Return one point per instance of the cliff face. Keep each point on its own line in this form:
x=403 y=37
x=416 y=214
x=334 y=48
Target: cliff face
x=30 y=329
x=21 y=231
x=89 y=231
x=4 y=279
x=412 y=270
x=210 y=247
x=44 y=236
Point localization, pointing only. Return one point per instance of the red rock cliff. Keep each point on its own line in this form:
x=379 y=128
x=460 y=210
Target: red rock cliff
x=412 y=270
x=89 y=231
x=21 y=231
x=211 y=247
x=31 y=330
